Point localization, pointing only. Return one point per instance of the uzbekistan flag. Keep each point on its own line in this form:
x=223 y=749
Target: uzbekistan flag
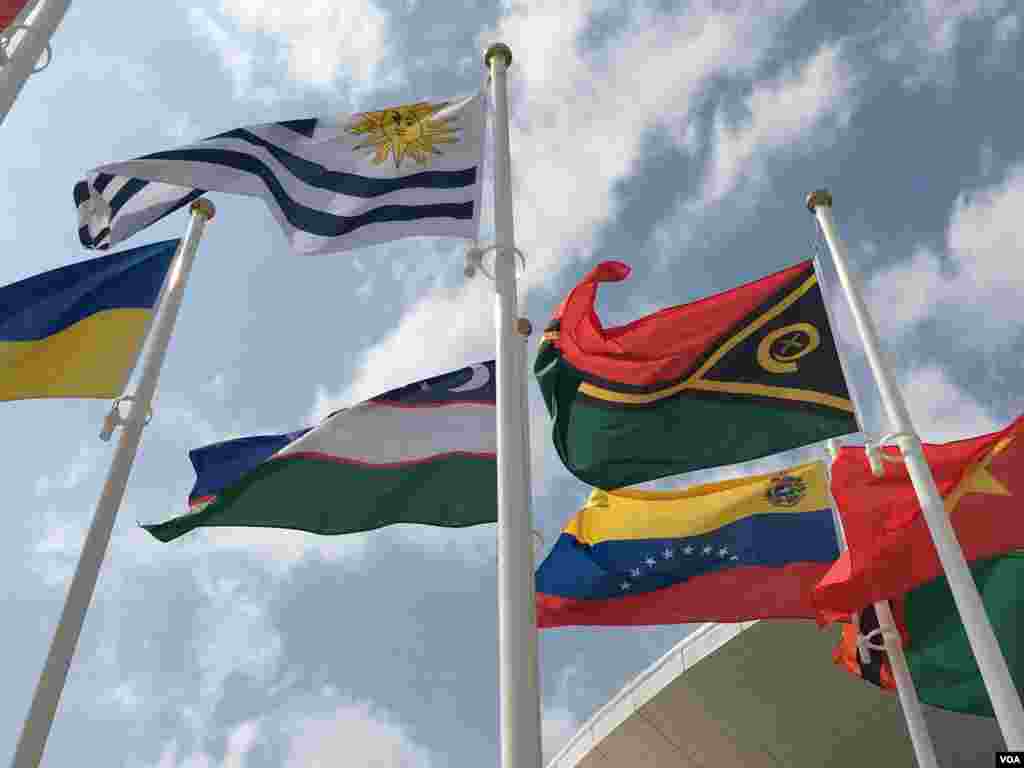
x=732 y=551
x=424 y=453
x=731 y=378
x=77 y=331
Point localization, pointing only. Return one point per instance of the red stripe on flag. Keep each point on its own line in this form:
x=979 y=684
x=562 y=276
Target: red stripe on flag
x=730 y=595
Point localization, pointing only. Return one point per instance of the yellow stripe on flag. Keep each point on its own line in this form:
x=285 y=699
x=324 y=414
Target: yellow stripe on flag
x=91 y=358
x=634 y=514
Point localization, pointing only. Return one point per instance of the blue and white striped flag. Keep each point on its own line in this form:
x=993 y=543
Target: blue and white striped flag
x=332 y=184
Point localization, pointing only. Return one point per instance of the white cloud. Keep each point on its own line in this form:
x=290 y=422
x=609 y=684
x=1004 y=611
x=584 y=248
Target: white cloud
x=174 y=412
x=979 y=292
x=236 y=635
x=930 y=32
x=782 y=113
x=240 y=743
x=323 y=40
x=354 y=734
x=124 y=698
x=237 y=59
x=56 y=553
x=217 y=386
x=799 y=111
x=86 y=461
x=1007 y=29
x=940 y=410
x=558 y=722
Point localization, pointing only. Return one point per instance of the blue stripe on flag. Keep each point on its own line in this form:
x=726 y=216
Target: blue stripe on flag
x=314 y=174
x=222 y=464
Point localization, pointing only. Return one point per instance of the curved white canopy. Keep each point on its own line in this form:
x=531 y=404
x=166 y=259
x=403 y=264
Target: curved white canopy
x=763 y=695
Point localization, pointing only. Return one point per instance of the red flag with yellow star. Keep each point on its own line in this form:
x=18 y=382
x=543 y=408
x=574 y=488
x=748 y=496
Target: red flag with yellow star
x=890 y=549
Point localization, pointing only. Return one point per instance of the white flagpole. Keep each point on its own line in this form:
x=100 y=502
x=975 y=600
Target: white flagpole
x=920 y=739
x=1001 y=691
x=34 y=733
x=517 y=626
x=26 y=46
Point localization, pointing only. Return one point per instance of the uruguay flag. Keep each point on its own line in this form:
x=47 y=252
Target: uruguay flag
x=332 y=184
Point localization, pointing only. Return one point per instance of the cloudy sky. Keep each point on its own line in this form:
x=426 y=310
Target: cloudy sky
x=681 y=138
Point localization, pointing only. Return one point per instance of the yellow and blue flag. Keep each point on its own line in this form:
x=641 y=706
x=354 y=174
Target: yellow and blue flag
x=76 y=331
x=736 y=550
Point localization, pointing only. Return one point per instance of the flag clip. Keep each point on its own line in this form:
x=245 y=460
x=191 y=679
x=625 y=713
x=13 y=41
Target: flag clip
x=8 y=37
x=114 y=419
x=876 y=456
x=538 y=543
x=475 y=260
x=872 y=641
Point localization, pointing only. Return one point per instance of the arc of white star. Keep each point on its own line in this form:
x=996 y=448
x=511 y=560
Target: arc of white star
x=708 y=550
x=687 y=550
x=723 y=552
x=635 y=572
x=651 y=562
x=624 y=586
x=668 y=553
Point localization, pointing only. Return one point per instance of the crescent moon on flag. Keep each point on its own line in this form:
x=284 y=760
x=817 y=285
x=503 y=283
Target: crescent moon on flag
x=481 y=375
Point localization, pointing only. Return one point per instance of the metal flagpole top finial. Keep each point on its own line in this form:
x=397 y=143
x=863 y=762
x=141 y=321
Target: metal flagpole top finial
x=819 y=197
x=498 y=49
x=204 y=208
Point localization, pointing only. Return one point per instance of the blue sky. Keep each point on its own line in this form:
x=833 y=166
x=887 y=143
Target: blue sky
x=680 y=138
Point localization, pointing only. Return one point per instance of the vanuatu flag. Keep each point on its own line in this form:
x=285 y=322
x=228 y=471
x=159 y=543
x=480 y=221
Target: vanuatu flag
x=890 y=549
x=733 y=377
x=736 y=550
x=938 y=654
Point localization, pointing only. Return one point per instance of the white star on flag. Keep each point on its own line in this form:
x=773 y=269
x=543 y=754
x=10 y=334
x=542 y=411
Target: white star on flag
x=650 y=561
x=708 y=550
x=723 y=552
x=624 y=586
x=688 y=550
x=635 y=572
x=668 y=553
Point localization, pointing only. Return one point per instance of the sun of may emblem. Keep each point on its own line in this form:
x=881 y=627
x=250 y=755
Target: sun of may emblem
x=406 y=131
x=786 y=491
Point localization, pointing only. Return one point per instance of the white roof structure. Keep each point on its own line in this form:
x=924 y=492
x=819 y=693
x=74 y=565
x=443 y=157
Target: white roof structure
x=763 y=695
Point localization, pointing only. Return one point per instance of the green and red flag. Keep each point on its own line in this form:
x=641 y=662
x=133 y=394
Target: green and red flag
x=938 y=653
x=730 y=378
x=889 y=547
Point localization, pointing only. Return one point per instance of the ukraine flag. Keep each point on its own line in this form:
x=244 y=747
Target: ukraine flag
x=76 y=331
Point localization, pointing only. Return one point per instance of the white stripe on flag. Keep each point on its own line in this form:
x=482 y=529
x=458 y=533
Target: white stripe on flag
x=384 y=434
x=325 y=193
